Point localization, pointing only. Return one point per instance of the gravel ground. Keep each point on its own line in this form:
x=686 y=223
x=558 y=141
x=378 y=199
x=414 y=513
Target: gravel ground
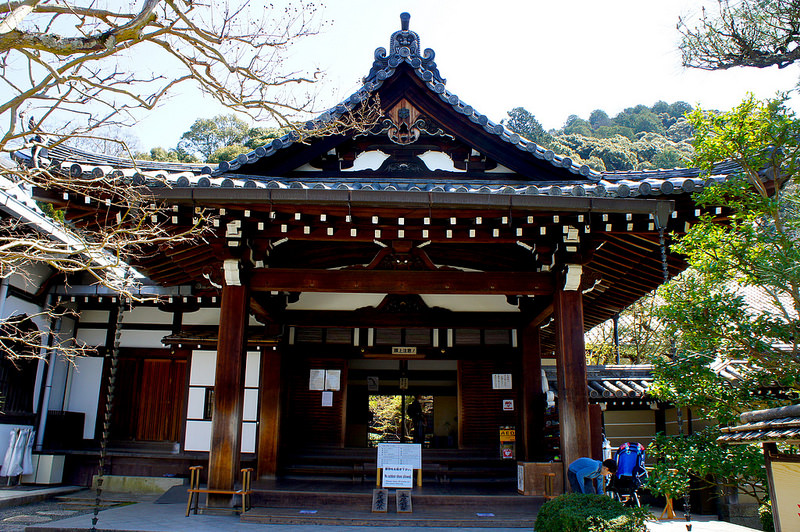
x=16 y=518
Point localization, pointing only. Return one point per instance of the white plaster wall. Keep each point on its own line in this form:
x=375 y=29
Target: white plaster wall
x=198 y=436
x=61 y=367
x=95 y=316
x=203 y=368
x=250 y=410
x=470 y=303
x=18 y=306
x=84 y=392
x=196 y=402
x=147 y=315
x=93 y=337
x=35 y=274
x=249 y=437
x=201 y=376
x=136 y=338
x=458 y=302
x=252 y=369
x=204 y=316
x=335 y=301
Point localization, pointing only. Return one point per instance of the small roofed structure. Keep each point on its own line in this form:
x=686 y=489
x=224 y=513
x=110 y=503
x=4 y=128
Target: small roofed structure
x=772 y=427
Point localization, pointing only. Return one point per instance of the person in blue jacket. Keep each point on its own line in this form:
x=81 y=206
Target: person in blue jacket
x=588 y=476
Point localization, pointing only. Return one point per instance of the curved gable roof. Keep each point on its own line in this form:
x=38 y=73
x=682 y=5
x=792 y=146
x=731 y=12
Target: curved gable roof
x=401 y=65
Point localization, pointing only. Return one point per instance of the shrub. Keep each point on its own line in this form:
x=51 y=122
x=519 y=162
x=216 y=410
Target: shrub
x=579 y=512
x=765 y=514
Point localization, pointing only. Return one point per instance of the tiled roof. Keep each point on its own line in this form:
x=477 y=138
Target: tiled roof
x=651 y=183
x=632 y=382
x=404 y=50
x=607 y=383
x=773 y=425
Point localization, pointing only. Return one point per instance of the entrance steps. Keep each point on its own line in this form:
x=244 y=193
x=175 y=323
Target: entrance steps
x=490 y=504
x=358 y=465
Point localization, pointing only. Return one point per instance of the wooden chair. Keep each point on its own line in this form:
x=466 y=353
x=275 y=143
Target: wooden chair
x=195 y=490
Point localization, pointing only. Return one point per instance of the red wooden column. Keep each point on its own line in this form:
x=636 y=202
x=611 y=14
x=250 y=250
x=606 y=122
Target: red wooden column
x=573 y=399
x=532 y=400
x=226 y=422
x=269 y=414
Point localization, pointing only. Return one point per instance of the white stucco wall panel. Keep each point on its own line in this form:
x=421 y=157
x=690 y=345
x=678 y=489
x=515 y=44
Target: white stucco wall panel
x=249 y=437
x=84 y=390
x=144 y=339
x=95 y=316
x=250 y=410
x=198 y=436
x=196 y=402
x=147 y=315
x=204 y=316
x=203 y=370
x=93 y=337
x=252 y=369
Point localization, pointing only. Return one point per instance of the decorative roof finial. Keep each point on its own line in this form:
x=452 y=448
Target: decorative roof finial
x=404 y=48
x=404 y=18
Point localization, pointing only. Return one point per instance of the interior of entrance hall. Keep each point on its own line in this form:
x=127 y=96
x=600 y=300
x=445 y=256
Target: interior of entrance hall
x=413 y=401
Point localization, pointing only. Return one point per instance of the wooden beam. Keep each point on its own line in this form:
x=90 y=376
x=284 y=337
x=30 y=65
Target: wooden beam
x=533 y=400
x=573 y=398
x=226 y=422
x=371 y=317
x=269 y=414
x=401 y=282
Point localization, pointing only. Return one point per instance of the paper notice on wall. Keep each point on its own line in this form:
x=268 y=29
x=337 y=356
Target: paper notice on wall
x=333 y=378
x=327 y=398
x=316 y=380
x=501 y=381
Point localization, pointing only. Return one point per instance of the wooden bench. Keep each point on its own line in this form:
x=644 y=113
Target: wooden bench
x=195 y=490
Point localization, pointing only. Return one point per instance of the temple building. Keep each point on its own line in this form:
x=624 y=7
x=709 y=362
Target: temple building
x=434 y=258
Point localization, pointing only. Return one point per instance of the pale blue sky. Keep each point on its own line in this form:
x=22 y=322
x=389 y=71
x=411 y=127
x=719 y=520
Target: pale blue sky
x=553 y=58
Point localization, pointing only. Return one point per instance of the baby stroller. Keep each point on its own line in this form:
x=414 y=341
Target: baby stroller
x=631 y=474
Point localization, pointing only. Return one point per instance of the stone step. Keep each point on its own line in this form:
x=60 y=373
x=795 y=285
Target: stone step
x=484 y=515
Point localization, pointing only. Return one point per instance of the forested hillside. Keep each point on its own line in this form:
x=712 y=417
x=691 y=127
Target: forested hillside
x=638 y=138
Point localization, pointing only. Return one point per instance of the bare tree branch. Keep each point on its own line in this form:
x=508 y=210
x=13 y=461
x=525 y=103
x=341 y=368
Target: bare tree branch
x=752 y=33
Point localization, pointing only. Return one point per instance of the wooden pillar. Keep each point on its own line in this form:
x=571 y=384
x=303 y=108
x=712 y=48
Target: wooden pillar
x=269 y=414
x=573 y=398
x=533 y=400
x=226 y=422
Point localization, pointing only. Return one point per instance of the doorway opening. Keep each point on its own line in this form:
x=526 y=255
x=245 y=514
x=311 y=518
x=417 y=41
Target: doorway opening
x=381 y=396
x=400 y=419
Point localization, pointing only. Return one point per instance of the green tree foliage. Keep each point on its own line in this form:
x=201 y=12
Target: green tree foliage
x=638 y=138
x=740 y=300
x=206 y=135
x=173 y=155
x=699 y=456
x=640 y=336
x=599 y=118
x=576 y=125
x=259 y=136
x=523 y=123
x=620 y=153
x=387 y=416
x=755 y=33
x=227 y=153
